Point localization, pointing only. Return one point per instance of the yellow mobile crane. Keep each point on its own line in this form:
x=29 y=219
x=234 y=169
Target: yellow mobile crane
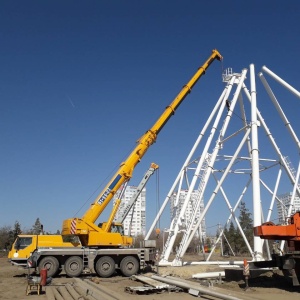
x=104 y=250
x=85 y=228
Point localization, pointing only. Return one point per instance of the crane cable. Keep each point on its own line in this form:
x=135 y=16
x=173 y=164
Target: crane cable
x=222 y=67
x=157 y=231
x=102 y=183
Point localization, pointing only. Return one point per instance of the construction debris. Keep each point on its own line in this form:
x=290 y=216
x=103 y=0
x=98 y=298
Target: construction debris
x=152 y=286
x=150 y=281
x=193 y=287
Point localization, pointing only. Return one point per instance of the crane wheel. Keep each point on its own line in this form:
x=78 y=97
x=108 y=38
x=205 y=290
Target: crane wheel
x=51 y=264
x=74 y=266
x=105 y=266
x=129 y=266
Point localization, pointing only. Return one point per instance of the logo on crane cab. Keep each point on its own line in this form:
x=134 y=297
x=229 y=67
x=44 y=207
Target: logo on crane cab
x=109 y=189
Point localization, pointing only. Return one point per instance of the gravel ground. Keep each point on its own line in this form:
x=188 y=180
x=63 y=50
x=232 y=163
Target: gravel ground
x=268 y=286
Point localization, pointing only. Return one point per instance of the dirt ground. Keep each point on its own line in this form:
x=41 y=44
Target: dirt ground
x=268 y=286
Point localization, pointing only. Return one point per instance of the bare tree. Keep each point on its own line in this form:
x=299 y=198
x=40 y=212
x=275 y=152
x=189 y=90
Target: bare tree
x=5 y=233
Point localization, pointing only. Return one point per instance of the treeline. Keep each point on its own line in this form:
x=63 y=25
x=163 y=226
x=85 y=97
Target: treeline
x=233 y=241
x=8 y=234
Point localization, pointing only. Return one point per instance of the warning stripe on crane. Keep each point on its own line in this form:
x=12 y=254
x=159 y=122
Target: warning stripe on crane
x=246 y=271
x=73 y=226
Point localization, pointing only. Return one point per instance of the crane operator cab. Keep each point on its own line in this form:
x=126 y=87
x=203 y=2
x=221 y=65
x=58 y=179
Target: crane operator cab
x=111 y=234
x=115 y=227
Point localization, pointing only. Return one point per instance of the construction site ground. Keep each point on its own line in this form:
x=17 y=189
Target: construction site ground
x=268 y=286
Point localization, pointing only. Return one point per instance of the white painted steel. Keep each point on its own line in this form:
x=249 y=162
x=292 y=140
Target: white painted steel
x=209 y=275
x=274 y=195
x=196 y=263
x=229 y=219
x=255 y=167
x=167 y=199
x=190 y=234
x=236 y=219
x=178 y=222
x=271 y=210
x=280 y=111
x=272 y=141
x=281 y=81
x=216 y=262
x=191 y=285
x=174 y=223
x=218 y=187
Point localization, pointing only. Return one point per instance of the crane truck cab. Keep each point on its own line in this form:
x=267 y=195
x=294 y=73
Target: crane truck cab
x=25 y=244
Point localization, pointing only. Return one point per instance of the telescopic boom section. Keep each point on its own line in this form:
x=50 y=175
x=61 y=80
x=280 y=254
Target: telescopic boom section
x=126 y=168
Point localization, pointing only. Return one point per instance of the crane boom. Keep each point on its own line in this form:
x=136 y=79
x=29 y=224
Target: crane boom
x=134 y=197
x=86 y=225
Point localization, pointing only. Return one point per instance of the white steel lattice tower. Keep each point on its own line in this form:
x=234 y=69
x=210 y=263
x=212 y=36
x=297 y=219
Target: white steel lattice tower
x=189 y=209
x=227 y=163
x=135 y=222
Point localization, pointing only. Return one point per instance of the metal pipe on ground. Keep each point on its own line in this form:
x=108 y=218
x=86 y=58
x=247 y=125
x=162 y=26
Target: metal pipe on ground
x=192 y=286
x=209 y=275
x=231 y=262
x=64 y=292
x=105 y=291
x=57 y=295
x=49 y=293
x=78 y=289
x=95 y=291
x=195 y=263
x=72 y=291
x=82 y=291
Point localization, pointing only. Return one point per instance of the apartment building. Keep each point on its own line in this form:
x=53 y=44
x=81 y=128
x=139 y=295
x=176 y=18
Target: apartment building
x=190 y=209
x=135 y=222
x=284 y=205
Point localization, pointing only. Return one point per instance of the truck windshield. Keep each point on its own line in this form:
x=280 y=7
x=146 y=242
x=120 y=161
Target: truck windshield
x=22 y=242
x=117 y=229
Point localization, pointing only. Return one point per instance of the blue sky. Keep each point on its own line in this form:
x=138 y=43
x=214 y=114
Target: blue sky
x=81 y=81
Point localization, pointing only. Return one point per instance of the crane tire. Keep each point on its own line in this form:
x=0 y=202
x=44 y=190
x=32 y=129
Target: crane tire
x=129 y=266
x=74 y=266
x=51 y=264
x=105 y=266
